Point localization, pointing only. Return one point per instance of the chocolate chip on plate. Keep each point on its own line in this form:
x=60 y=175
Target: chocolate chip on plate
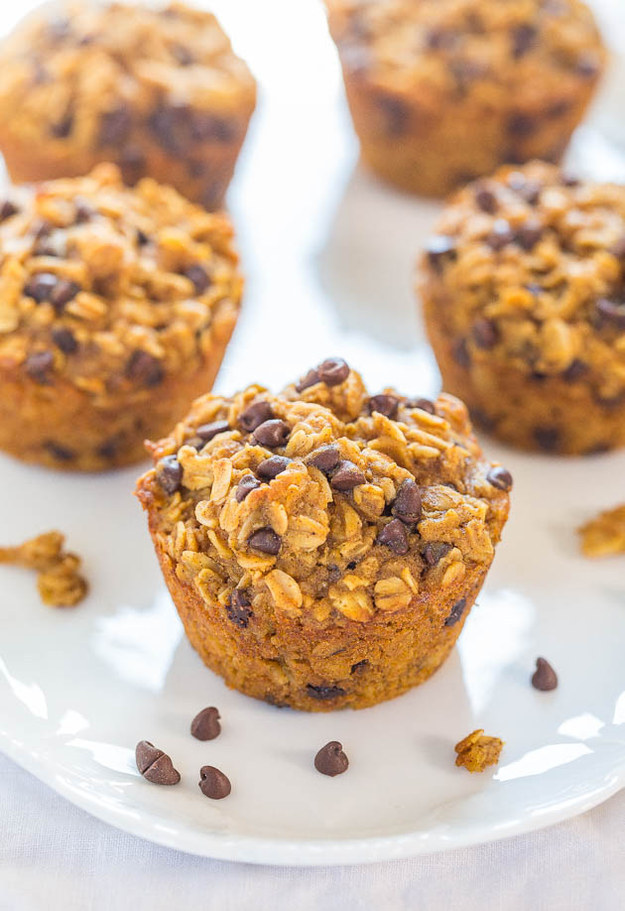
x=346 y=476
x=205 y=725
x=169 y=474
x=155 y=765
x=246 y=485
x=272 y=433
x=326 y=458
x=239 y=608
x=206 y=432
x=407 y=503
x=270 y=468
x=394 y=536
x=499 y=477
x=456 y=612
x=266 y=541
x=213 y=783
x=544 y=677
x=331 y=760
x=384 y=404
x=254 y=415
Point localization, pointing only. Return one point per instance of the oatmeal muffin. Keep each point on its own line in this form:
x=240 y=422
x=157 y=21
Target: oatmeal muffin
x=324 y=546
x=443 y=91
x=157 y=91
x=524 y=300
x=116 y=306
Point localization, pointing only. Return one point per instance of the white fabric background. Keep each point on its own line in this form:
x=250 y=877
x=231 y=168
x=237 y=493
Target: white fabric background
x=56 y=857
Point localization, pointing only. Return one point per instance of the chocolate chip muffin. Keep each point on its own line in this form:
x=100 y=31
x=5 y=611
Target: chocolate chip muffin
x=157 y=91
x=443 y=91
x=524 y=300
x=324 y=546
x=116 y=306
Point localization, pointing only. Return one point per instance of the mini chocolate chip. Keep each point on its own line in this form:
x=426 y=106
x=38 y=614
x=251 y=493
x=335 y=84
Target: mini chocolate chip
x=206 y=432
x=270 y=468
x=460 y=353
x=359 y=666
x=544 y=677
x=456 y=612
x=500 y=236
x=7 y=209
x=63 y=293
x=246 y=485
x=141 y=237
x=441 y=249
x=310 y=379
x=199 y=278
x=115 y=127
x=384 y=404
x=65 y=340
x=169 y=474
x=395 y=537
x=205 y=725
x=324 y=692
x=346 y=476
x=407 y=503
x=331 y=760
x=486 y=200
x=132 y=163
x=521 y=125
x=575 y=371
x=333 y=371
x=40 y=286
x=266 y=541
x=38 y=364
x=424 y=404
x=213 y=783
x=484 y=333
x=144 y=368
x=272 y=433
x=326 y=458
x=434 y=551
x=547 y=438
x=254 y=415
x=523 y=39
x=155 y=765
x=528 y=235
x=60 y=452
x=499 y=477
x=239 y=608
x=611 y=311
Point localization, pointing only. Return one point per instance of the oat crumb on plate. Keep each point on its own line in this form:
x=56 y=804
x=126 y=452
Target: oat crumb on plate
x=478 y=751
x=604 y=536
x=59 y=582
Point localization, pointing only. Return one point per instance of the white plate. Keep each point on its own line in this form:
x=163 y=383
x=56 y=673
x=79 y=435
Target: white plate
x=329 y=256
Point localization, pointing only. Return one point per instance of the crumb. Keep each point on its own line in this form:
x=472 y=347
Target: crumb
x=59 y=580
x=604 y=535
x=477 y=751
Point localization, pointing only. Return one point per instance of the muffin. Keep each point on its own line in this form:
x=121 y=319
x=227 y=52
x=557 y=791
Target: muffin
x=524 y=300
x=323 y=546
x=157 y=91
x=443 y=91
x=116 y=306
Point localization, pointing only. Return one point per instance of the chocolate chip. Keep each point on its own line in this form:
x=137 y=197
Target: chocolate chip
x=37 y=366
x=500 y=236
x=499 y=477
x=310 y=379
x=272 y=433
x=254 y=415
x=528 y=235
x=239 y=608
x=611 y=312
x=199 y=278
x=359 y=666
x=60 y=452
x=575 y=371
x=484 y=333
x=456 y=612
x=169 y=474
x=155 y=765
x=63 y=127
x=171 y=125
x=109 y=449
x=213 y=783
x=521 y=125
x=486 y=200
x=115 y=127
x=64 y=291
x=7 y=209
x=40 y=286
x=333 y=371
x=144 y=368
x=407 y=503
x=246 y=485
x=588 y=65
x=460 y=353
x=395 y=537
x=132 y=163
x=346 y=476
x=523 y=39
x=569 y=180
x=529 y=190
x=424 y=404
x=325 y=459
x=206 y=432
x=384 y=404
x=544 y=677
x=438 y=39
x=208 y=128
x=65 y=340
x=205 y=725
x=440 y=250
x=331 y=760
x=82 y=212
x=270 y=468
x=141 y=237
x=324 y=692
x=548 y=438
x=182 y=55
x=395 y=112
x=434 y=551
x=266 y=541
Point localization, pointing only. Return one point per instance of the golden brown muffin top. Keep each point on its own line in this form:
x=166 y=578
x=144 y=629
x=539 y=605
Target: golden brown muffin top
x=528 y=268
x=77 y=72
x=323 y=501
x=108 y=287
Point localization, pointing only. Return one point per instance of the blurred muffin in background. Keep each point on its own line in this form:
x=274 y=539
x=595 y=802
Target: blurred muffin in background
x=443 y=91
x=157 y=91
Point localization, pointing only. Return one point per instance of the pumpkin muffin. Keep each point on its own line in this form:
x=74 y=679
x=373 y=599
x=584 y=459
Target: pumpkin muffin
x=324 y=546
x=116 y=306
x=157 y=91
x=524 y=299
x=443 y=91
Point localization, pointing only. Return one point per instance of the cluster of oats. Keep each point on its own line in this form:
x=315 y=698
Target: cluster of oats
x=604 y=536
x=59 y=580
x=478 y=751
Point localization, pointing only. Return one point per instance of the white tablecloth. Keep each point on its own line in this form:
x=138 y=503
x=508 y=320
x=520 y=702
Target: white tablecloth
x=56 y=857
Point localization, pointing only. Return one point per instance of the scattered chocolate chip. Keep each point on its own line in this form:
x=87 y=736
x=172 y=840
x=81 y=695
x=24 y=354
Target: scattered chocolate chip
x=395 y=112
x=547 y=438
x=64 y=291
x=37 y=366
x=115 y=127
x=500 y=236
x=205 y=725
x=456 y=612
x=611 y=312
x=384 y=404
x=331 y=760
x=346 y=476
x=333 y=371
x=60 y=452
x=239 y=608
x=523 y=39
x=484 y=333
x=486 y=200
x=310 y=379
x=65 y=340
x=326 y=458
x=144 y=368
x=359 y=666
x=434 y=551
x=395 y=537
x=272 y=433
x=132 y=163
x=575 y=371
x=246 y=485
x=254 y=415
x=522 y=125
x=460 y=353
x=213 y=783
x=7 y=208
x=544 y=677
x=500 y=478
x=423 y=404
x=407 y=503
x=206 y=432
x=270 y=468
x=440 y=250
x=169 y=474
x=528 y=235
x=199 y=278
x=324 y=692
x=40 y=286
x=266 y=541
x=155 y=765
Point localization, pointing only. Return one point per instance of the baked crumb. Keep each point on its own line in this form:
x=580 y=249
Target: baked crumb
x=604 y=536
x=478 y=751
x=59 y=582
